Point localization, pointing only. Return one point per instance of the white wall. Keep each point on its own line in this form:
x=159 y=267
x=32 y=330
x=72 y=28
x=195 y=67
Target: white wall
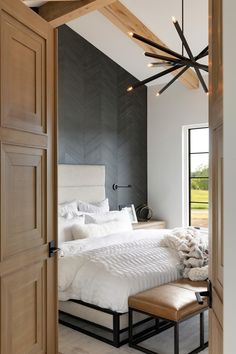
x=167 y=114
x=229 y=11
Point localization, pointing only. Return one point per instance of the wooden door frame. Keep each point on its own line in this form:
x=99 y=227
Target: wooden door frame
x=216 y=232
x=229 y=53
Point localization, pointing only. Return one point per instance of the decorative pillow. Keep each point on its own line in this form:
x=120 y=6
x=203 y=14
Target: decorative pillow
x=98 y=230
x=64 y=228
x=68 y=210
x=99 y=207
x=197 y=274
x=101 y=218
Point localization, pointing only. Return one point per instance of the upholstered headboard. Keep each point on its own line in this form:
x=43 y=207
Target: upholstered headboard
x=81 y=182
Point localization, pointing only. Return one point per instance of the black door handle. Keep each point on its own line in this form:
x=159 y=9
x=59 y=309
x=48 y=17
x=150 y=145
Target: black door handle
x=53 y=250
x=208 y=294
x=199 y=295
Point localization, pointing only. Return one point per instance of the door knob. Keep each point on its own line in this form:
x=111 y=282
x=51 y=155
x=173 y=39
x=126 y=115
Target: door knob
x=208 y=294
x=53 y=250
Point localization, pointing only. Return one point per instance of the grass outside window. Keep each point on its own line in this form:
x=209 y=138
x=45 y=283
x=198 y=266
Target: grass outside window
x=198 y=181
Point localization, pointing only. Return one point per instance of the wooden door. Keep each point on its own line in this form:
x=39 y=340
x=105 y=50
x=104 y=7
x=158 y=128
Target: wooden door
x=216 y=163
x=28 y=289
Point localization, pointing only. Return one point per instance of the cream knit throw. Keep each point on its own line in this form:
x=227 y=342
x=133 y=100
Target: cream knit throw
x=192 y=249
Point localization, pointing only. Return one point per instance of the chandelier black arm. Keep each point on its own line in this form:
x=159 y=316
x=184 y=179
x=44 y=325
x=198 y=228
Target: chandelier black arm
x=202 y=54
x=203 y=67
x=154 y=77
x=158 y=46
x=161 y=63
x=177 y=61
x=185 y=43
x=173 y=80
x=163 y=57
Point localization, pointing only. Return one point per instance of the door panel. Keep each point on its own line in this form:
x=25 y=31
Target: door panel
x=216 y=333
x=216 y=173
x=217 y=198
x=23 y=295
x=28 y=277
x=217 y=241
x=23 y=84
x=22 y=198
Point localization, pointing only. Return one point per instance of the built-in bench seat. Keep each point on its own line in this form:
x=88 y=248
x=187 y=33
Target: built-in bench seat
x=169 y=304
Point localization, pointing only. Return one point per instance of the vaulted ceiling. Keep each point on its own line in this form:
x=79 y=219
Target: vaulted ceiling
x=156 y=15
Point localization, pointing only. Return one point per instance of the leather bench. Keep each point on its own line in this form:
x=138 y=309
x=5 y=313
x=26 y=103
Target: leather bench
x=168 y=304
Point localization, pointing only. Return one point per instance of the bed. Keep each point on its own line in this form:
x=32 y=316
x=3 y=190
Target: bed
x=96 y=276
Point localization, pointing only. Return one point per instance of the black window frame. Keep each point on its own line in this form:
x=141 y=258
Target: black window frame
x=190 y=178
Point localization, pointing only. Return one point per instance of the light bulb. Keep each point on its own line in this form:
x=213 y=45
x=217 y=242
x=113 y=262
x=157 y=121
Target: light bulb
x=157 y=94
x=208 y=93
x=130 y=88
x=130 y=34
x=174 y=19
x=150 y=65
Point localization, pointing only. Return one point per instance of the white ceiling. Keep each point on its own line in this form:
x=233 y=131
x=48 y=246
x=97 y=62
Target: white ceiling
x=156 y=15
x=34 y=3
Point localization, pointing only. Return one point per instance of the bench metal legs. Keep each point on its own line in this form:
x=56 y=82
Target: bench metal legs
x=176 y=338
x=203 y=345
x=130 y=327
x=134 y=340
x=202 y=329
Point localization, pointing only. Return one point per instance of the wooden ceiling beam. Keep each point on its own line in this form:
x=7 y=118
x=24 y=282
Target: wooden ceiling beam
x=45 y=1
x=32 y=1
x=58 y=13
x=122 y=18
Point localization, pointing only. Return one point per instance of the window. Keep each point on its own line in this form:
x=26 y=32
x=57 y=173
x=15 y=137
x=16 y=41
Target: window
x=198 y=176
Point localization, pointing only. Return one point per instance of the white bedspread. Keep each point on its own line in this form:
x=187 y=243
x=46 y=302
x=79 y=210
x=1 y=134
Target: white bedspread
x=105 y=271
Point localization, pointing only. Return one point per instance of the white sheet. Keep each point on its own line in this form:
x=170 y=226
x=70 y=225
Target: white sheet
x=105 y=271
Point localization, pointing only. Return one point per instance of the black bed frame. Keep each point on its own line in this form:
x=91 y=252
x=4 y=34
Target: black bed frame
x=116 y=341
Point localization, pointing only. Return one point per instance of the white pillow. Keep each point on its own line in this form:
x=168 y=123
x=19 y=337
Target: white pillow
x=101 y=218
x=99 y=207
x=64 y=228
x=98 y=230
x=68 y=210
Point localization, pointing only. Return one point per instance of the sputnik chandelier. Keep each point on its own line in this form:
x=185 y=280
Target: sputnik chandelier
x=175 y=61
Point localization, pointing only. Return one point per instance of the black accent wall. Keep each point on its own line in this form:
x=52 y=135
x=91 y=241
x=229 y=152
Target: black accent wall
x=99 y=122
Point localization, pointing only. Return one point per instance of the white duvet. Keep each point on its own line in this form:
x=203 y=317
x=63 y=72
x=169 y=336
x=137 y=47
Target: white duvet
x=105 y=271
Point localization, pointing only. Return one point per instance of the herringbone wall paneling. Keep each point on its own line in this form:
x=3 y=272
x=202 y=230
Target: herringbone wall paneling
x=99 y=123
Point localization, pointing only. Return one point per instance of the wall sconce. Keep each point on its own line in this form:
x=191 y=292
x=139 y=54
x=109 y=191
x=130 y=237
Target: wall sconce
x=116 y=186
